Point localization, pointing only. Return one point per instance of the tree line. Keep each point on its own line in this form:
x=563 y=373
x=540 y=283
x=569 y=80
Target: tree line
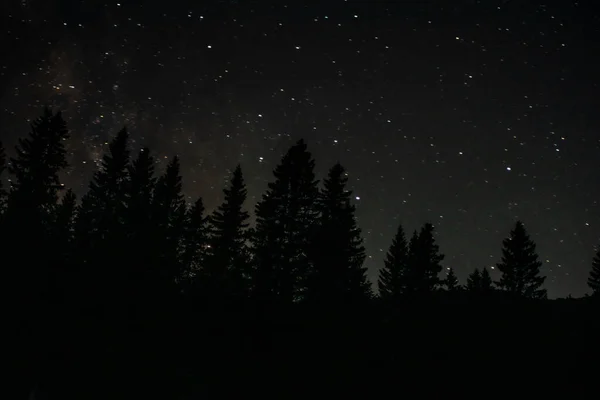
x=134 y=239
x=86 y=280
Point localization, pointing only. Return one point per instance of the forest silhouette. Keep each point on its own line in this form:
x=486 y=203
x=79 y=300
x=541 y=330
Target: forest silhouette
x=132 y=292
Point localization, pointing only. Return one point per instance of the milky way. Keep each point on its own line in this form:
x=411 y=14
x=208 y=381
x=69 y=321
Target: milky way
x=467 y=114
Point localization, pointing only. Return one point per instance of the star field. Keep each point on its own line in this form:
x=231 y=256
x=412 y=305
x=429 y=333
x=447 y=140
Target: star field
x=467 y=114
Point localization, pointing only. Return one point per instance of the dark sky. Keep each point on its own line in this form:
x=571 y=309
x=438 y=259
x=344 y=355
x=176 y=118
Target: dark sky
x=467 y=114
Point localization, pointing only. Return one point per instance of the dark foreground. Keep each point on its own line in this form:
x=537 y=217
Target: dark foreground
x=281 y=353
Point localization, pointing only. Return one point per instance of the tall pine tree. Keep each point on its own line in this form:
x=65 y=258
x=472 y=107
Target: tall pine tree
x=337 y=252
x=520 y=266
x=424 y=261
x=100 y=229
x=169 y=213
x=594 y=278
x=139 y=225
x=392 y=277
x=32 y=203
x=285 y=219
x=195 y=241
x=229 y=253
x=27 y=231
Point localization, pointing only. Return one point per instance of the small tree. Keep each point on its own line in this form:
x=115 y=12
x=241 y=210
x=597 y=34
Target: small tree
x=594 y=278
x=486 y=284
x=391 y=282
x=424 y=259
x=451 y=281
x=520 y=266
x=479 y=282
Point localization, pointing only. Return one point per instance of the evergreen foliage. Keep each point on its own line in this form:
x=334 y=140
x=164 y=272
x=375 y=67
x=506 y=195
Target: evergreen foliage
x=392 y=277
x=594 y=278
x=337 y=252
x=520 y=266
x=285 y=219
x=229 y=254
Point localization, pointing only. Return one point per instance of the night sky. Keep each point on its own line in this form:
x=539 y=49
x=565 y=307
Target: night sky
x=467 y=114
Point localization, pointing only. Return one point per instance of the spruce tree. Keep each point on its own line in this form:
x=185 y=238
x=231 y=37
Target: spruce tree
x=100 y=230
x=32 y=203
x=594 y=278
x=62 y=238
x=229 y=253
x=520 y=266
x=474 y=281
x=392 y=281
x=486 y=284
x=337 y=253
x=451 y=281
x=139 y=225
x=194 y=247
x=28 y=227
x=479 y=281
x=285 y=218
x=169 y=213
x=424 y=260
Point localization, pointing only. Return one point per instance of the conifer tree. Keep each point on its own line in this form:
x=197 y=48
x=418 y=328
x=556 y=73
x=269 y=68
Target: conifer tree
x=474 y=281
x=520 y=266
x=28 y=223
x=479 y=281
x=100 y=229
x=285 y=218
x=392 y=277
x=194 y=246
x=337 y=253
x=486 y=284
x=451 y=281
x=33 y=200
x=229 y=253
x=594 y=278
x=424 y=260
x=169 y=213
x=138 y=222
x=62 y=238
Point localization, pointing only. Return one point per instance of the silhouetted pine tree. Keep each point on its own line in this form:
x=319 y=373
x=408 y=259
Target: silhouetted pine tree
x=424 y=261
x=520 y=266
x=63 y=279
x=100 y=230
x=169 y=213
x=229 y=258
x=139 y=224
x=194 y=247
x=285 y=218
x=337 y=253
x=451 y=281
x=486 y=284
x=27 y=230
x=594 y=278
x=2 y=169
x=32 y=203
x=474 y=281
x=479 y=282
x=392 y=281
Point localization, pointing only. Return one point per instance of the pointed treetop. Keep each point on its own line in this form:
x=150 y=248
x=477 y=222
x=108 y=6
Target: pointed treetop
x=594 y=278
